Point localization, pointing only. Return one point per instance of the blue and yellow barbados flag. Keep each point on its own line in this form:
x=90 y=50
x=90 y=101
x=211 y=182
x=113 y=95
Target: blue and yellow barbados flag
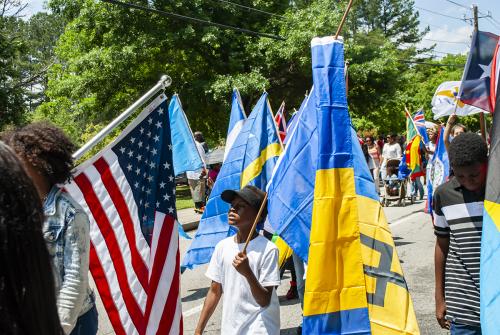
x=250 y=161
x=490 y=240
x=354 y=281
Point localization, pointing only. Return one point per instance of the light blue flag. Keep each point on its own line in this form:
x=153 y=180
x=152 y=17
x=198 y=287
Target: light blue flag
x=439 y=170
x=291 y=189
x=236 y=120
x=250 y=161
x=185 y=153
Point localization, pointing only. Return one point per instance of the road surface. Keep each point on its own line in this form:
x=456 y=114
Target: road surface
x=413 y=235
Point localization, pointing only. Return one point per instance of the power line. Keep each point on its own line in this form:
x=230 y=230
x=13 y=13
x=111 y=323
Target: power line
x=440 y=41
x=251 y=9
x=446 y=53
x=431 y=64
x=195 y=20
x=437 y=13
x=458 y=4
x=487 y=16
x=493 y=22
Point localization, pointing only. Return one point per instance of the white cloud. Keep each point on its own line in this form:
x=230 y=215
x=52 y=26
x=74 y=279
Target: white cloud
x=458 y=39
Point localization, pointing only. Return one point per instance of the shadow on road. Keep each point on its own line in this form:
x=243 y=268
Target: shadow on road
x=198 y=293
x=289 y=331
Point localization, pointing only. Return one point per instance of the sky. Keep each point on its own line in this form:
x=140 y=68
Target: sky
x=454 y=30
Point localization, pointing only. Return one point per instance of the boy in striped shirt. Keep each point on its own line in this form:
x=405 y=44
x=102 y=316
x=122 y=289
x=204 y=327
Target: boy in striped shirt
x=458 y=218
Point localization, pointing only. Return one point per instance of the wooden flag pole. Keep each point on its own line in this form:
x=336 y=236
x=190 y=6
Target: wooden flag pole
x=261 y=209
x=343 y=19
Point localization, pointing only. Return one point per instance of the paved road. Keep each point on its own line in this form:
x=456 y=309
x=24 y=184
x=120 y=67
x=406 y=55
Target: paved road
x=412 y=231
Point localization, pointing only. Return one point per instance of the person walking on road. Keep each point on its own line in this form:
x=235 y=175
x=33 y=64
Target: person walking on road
x=392 y=150
x=45 y=152
x=248 y=280
x=374 y=160
x=458 y=216
x=197 y=179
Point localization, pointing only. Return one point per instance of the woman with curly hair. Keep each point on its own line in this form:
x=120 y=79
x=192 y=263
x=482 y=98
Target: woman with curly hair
x=27 y=296
x=45 y=152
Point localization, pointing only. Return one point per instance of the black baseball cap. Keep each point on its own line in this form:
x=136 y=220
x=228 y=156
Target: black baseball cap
x=250 y=194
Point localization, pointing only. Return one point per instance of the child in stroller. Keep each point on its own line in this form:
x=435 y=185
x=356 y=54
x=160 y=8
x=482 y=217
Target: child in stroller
x=394 y=184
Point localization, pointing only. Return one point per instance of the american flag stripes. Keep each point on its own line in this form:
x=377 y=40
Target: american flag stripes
x=128 y=191
x=280 y=120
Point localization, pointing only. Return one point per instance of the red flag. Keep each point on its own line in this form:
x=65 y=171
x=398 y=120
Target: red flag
x=495 y=75
x=280 y=120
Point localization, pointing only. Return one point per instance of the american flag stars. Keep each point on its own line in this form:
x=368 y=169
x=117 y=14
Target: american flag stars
x=148 y=159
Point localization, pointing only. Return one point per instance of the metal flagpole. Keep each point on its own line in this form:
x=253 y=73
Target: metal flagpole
x=164 y=82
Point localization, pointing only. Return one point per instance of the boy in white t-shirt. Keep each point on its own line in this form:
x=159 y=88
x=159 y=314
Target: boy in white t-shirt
x=250 y=303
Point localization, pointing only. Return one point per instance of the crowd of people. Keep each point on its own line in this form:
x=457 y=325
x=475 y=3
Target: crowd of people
x=45 y=241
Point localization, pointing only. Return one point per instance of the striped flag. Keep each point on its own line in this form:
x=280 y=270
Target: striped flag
x=280 y=120
x=128 y=192
x=419 y=119
x=322 y=201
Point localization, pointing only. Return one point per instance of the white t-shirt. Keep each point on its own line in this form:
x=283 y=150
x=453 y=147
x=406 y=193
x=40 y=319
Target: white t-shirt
x=241 y=314
x=195 y=175
x=391 y=151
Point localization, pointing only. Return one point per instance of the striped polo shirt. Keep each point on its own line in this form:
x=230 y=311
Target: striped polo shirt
x=458 y=215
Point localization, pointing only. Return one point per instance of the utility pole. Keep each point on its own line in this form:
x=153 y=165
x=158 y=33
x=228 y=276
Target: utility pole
x=482 y=120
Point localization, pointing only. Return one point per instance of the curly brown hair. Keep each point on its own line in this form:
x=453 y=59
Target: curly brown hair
x=46 y=148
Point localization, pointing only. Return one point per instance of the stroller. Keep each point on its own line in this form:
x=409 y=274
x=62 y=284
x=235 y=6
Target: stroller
x=395 y=184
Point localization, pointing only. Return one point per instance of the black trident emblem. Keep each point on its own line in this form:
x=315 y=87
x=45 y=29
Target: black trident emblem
x=382 y=273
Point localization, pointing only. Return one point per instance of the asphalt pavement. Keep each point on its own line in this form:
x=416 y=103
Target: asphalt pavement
x=414 y=239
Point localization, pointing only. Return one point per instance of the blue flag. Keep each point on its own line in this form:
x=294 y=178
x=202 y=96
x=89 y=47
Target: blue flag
x=323 y=203
x=439 y=170
x=236 y=120
x=250 y=161
x=292 y=123
x=186 y=156
x=476 y=82
x=490 y=240
x=290 y=216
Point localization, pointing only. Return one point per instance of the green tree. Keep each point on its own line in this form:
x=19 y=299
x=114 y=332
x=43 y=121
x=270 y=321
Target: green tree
x=12 y=47
x=109 y=55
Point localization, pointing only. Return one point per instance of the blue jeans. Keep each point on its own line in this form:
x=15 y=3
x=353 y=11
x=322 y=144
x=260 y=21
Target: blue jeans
x=86 y=323
x=299 y=273
x=461 y=329
x=416 y=185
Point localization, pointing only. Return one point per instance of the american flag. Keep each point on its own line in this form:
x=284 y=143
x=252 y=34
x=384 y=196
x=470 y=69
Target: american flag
x=419 y=118
x=128 y=192
x=279 y=118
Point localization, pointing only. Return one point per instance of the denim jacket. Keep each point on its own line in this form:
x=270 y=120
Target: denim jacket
x=66 y=232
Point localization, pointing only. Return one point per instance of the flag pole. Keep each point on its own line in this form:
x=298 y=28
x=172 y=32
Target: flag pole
x=261 y=209
x=412 y=121
x=164 y=82
x=343 y=19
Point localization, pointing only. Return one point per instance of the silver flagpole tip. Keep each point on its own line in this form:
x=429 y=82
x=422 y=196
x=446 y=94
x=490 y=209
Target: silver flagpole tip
x=166 y=80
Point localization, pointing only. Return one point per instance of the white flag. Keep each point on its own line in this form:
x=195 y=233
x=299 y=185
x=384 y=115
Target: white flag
x=445 y=101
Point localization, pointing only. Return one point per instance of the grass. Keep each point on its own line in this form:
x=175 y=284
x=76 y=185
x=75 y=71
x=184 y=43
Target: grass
x=183 y=197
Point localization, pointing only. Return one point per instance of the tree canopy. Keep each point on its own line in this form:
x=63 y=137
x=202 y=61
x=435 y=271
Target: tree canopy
x=96 y=58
